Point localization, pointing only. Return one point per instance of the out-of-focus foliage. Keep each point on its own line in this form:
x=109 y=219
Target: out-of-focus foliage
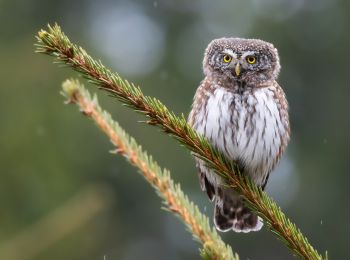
x=48 y=154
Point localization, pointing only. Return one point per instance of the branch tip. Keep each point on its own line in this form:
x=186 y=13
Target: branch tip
x=174 y=198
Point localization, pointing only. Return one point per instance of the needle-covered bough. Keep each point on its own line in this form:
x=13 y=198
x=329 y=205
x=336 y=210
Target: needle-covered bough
x=55 y=43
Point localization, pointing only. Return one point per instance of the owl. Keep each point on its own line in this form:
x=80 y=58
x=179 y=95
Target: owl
x=243 y=112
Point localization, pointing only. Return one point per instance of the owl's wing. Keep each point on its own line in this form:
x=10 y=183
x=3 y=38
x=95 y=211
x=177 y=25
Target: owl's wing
x=281 y=100
x=199 y=100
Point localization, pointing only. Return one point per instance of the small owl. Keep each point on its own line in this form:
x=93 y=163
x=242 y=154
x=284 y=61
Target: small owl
x=240 y=108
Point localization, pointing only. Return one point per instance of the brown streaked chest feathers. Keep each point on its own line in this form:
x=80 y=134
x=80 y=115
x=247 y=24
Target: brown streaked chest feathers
x=249 y=125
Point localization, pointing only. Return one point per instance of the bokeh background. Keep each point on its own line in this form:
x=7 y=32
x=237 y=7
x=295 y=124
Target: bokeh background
x=64 y=196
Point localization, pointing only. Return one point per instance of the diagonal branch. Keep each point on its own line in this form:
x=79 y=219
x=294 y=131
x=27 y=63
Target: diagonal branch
x=174 y=198
x=55 y=43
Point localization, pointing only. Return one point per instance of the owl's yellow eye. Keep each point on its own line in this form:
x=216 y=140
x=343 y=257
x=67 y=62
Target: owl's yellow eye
x=227 y=58
x=251 y=59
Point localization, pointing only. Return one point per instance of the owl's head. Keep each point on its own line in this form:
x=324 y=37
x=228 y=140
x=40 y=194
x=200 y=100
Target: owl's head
x=249 y=60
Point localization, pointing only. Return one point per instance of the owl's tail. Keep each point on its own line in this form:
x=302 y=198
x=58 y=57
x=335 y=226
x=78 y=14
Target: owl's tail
x=231 y=213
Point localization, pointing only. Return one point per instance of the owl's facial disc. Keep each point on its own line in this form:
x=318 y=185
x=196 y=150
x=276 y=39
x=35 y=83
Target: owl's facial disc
x=238 y=59
x=237 y=63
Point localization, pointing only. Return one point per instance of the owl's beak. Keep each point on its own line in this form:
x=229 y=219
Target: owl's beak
x=238 y=69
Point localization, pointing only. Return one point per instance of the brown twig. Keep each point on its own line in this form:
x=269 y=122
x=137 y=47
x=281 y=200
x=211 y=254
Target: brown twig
x=174 y=197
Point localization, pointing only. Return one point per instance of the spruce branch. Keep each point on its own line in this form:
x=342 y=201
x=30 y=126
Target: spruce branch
x=55 y=43
x=174 y=198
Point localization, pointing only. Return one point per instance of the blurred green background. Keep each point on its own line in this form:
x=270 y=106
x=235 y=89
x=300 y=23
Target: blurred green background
x=63 y=196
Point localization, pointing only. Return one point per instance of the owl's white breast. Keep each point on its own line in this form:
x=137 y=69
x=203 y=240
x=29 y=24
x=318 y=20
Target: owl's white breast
x=245 y=127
